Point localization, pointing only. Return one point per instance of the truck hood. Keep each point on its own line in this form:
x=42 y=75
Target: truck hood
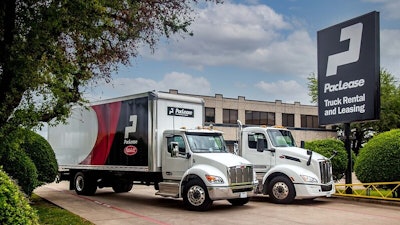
x=225 y=159
x=298 y=153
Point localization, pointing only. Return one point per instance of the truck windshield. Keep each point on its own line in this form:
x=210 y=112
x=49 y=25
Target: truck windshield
x=205 y=142
x=281 y=138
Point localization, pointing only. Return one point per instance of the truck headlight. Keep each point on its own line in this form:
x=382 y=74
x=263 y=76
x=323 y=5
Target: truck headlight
x=309 y=179
x=214 y=179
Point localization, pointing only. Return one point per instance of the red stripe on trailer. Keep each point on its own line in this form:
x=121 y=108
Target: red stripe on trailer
x=107 y=119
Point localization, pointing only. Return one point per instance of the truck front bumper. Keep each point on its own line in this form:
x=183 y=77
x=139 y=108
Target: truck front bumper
x=224 y=192
x=304 y=191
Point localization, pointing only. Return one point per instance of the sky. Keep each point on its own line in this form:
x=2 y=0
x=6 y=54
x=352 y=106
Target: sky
x=260 y=49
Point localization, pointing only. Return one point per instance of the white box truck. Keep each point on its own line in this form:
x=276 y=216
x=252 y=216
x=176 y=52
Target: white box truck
x=285 y=172
x=145 y=139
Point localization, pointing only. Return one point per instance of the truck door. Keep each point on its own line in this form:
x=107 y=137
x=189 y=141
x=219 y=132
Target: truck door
x=175 y=164
x=262 y=161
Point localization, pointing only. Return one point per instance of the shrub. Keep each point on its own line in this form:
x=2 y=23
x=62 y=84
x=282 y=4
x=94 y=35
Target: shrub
x=42 y=155
x=16 y=162
x=379 y=160
x=21 y=168
x=326 y=147
x=14 y=207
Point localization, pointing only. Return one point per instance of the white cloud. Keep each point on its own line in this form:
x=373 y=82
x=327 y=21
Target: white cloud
x=287 y=91
x=123 y=86
x=390 y=8
x=247 y=36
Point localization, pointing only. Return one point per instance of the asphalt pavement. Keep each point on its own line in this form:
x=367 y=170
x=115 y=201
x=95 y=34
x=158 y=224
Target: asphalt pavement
x=142 y=206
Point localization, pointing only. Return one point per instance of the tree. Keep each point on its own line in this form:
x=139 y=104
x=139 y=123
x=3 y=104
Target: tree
x=312 y=87
x=390 y=104
x=51 y=49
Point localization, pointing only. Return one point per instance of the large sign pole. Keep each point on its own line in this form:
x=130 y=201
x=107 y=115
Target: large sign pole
x=347 y=145
x=348 y=75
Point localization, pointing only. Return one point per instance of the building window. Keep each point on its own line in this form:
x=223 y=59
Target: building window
x=309 y=121
x=260 y=118
x=210 y=115
x=230 y=116
x=287 y=120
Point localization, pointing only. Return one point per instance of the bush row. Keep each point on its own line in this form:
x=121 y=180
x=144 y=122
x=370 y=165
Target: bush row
x=378 y=160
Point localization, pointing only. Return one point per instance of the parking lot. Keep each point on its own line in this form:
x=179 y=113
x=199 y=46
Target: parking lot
x=142 y=206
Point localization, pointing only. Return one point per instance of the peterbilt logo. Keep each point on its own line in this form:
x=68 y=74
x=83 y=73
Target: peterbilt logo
x=174 y=111
x=130 y=150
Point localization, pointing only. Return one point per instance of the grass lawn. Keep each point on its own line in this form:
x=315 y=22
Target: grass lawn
x=50 y=214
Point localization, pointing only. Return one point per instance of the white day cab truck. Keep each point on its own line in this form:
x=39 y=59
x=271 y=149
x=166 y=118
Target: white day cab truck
x=141 y=139
x=285 y=172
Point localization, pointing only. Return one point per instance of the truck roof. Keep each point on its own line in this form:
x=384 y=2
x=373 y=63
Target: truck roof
x=197 y=130
x=153 y=95
x=269 y=127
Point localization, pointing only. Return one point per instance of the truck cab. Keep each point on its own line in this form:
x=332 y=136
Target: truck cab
x=285 y=172
x=197 y=167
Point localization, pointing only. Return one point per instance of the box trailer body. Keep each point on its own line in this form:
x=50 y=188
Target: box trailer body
x=285 y=172
x=145 y=139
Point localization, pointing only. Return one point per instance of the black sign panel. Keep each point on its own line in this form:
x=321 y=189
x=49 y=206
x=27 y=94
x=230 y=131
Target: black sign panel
x=348 y=71
x=174 y=111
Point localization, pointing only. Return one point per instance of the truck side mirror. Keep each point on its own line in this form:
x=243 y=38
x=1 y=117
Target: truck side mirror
x=302 y=144
x=174 y=149
x=260 y=144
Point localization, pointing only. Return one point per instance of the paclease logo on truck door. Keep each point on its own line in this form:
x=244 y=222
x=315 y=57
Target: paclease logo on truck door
x=174 y=111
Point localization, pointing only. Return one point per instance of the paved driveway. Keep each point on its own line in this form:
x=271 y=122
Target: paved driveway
x=142 y=206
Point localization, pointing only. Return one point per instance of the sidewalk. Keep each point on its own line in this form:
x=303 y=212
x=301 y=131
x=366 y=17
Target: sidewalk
x=91 y=210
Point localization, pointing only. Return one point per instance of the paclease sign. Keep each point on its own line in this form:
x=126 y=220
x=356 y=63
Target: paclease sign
x=348 y=71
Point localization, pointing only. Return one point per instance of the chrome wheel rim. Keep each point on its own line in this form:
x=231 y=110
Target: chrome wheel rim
x=196 y=195
x=280 y=190
x=79 y=183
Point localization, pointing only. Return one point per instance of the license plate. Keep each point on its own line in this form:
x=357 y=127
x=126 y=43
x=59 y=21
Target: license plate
x=243 y=194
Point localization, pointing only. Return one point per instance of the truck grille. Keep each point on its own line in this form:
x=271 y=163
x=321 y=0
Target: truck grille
x=325 y=168
x=240 y=175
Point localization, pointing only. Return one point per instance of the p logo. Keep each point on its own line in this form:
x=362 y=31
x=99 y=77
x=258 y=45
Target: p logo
x=352 y=33
x=131 y=129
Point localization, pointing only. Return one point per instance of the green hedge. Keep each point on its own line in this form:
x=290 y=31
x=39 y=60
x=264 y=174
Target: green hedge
x=28 y=158
x=326 y=147
x=42 y=155
x=16 y=162
x=379 y=160
x=14 y=207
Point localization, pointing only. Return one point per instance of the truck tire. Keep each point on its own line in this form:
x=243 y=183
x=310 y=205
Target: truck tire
x=84 y=185
x=122 y=187
x=281 y=190
x=195 y=196
x=239 y=201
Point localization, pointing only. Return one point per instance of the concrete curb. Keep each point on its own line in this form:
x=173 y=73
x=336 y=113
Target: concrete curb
x=367 y=200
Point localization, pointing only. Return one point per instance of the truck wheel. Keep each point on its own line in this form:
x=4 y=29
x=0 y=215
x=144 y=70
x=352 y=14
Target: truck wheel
x=281 y=190
x=195 y=196
x=84 y=185
x=122 y=187
x=239 y=201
